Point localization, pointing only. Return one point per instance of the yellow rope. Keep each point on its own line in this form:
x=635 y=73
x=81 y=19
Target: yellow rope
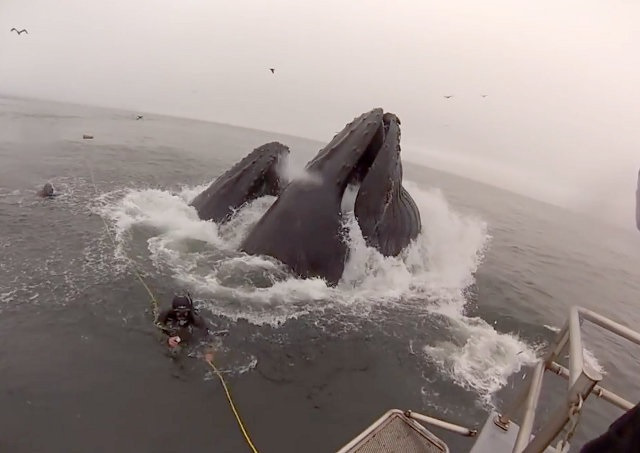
x=233 y=407
x=155 y=305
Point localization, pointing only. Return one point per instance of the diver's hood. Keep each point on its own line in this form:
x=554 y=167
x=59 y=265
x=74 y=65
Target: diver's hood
x=182 y=302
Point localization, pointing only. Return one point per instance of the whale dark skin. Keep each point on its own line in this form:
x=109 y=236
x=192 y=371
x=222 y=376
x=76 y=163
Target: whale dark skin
x=304 y=227
x=257 y=175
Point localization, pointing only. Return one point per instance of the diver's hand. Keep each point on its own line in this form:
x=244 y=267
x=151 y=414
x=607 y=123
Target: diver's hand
x=174 y=341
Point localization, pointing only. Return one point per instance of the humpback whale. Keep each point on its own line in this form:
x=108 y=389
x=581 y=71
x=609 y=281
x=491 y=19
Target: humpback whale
x=256 y=175
x=304 y=227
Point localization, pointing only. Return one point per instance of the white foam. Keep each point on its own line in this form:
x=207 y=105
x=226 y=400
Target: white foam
x=349 y=198
x=592 y=361
x=430 y=275
x=480 y=358
x=237 y=228
x=188 y=193
x=167 y=212
x=61 y=275
x=588 y=356
x=8 y=295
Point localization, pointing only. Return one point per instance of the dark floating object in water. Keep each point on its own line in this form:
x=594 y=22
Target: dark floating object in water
x=87 y=137
x=19 y=32
x=273 y=70
x=47 y=191
x=139 y=117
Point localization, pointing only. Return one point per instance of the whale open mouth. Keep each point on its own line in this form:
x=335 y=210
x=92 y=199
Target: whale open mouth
x=303 y=228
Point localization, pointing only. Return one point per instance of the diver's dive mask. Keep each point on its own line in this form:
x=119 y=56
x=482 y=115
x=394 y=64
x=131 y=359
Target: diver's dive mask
x=182 y=312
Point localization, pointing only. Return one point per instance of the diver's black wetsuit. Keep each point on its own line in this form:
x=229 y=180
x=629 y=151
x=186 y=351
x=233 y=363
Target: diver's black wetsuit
x=623 y=435
x=172 y=324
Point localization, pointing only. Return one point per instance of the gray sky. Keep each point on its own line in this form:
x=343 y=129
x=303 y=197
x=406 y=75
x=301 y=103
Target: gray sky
x=561 y=121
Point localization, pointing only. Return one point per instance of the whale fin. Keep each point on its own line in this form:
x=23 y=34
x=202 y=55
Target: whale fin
x=388 y=217
x=256 y=175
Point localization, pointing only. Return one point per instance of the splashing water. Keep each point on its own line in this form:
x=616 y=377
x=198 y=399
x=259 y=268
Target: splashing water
x=290 y=172
x=480 y=358
x=430 y=275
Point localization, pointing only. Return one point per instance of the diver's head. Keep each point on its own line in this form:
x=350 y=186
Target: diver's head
x=182 y=305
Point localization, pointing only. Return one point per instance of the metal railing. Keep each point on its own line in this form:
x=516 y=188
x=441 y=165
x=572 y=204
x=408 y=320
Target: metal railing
x=582 y=382
x=462 y=430
x=399 y=431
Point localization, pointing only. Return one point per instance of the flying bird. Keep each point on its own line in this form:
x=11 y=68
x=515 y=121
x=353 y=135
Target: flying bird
x=273 y=70
x=139 y=117
x=24 y=30
x=484 y=95
x=449 y=96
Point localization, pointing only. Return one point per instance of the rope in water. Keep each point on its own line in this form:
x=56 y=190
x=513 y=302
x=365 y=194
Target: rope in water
x=155 y=305
x=233 y=407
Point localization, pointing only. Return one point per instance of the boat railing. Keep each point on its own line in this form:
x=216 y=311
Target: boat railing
x=582 y=380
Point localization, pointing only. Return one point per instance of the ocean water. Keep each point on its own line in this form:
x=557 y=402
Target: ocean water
x=450 y=328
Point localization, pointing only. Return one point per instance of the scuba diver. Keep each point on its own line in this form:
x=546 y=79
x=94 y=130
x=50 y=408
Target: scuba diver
x=179 y=321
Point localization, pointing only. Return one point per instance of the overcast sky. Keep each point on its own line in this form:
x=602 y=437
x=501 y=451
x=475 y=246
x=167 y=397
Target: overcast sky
x=561 y=120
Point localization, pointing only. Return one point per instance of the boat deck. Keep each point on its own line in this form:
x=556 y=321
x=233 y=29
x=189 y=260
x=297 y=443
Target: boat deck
x=395 y=432
x=400 y=432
